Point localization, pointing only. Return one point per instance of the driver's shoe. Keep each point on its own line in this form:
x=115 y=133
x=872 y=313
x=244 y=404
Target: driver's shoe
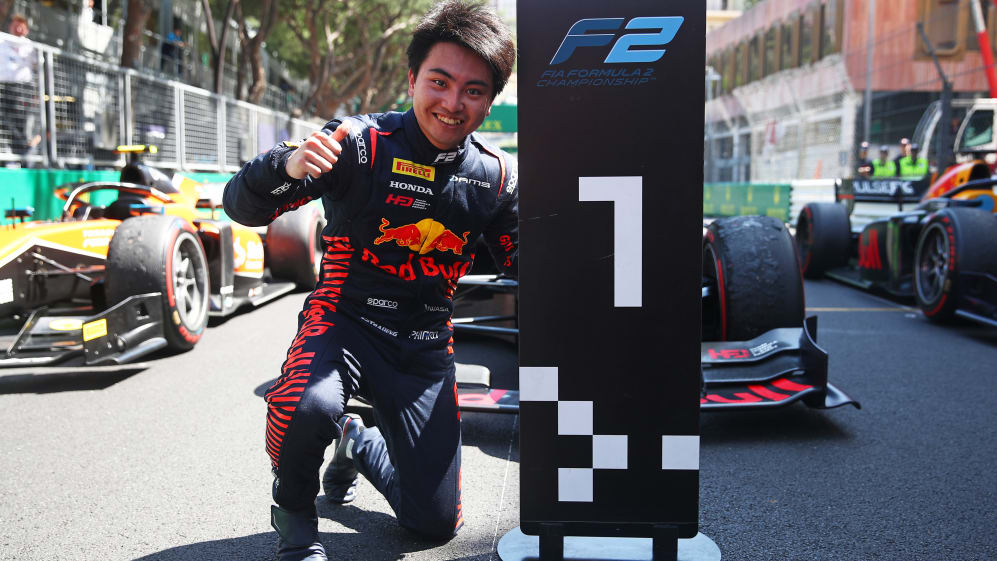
x=297 y=532
x=340 y=478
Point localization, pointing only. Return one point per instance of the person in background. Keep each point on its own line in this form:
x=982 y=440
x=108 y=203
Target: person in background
x=904 y=152
x=914 y=165
x=18 y=89
x=864 y=166
x=883 y=166
x=172 y=50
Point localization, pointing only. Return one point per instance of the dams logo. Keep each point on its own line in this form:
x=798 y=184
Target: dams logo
x=405 y=167
x=424 y=236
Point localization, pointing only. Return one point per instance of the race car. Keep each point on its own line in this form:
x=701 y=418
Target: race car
x=942 y=253
x=757 y=350
x=138 y=265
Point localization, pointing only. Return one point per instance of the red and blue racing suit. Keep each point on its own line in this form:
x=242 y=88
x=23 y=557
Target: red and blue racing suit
x=403 y=219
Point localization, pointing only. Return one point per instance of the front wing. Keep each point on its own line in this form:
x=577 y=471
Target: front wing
x=777 y=368
x=120 y=334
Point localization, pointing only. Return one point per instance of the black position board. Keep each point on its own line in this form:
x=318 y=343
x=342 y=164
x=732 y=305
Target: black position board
x=611 y=160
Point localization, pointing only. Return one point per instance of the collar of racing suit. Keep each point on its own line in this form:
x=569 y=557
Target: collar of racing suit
x=424 y=150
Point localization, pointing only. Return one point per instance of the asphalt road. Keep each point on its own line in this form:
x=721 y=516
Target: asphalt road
x=166 y=462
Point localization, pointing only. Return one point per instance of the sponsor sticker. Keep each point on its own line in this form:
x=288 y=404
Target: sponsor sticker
x=513 y=181
x=469 y=181
x=281 y=189
x=764 y=348
x=436 y=308
x=406 y=167
x=94 y=329
x=410 y=187
x=445 y=157
x=382 y=303
x=380 y=327
x=424 y=335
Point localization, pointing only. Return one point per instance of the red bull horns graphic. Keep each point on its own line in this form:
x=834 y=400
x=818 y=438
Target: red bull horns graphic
x=424 y=236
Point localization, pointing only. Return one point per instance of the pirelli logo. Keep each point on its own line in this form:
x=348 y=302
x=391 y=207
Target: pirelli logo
x=405 y=167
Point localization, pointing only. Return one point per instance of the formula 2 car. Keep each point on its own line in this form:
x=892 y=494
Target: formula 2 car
x=108 y=283
x=942 y=253
x=758 y=350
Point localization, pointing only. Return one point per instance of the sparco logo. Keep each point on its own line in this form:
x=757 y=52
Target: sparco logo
x=621 y=52
x=468 y=180
x=381 y=303
x=424 y=335
x=410 y=187
x=361 y=148
x=513 y=180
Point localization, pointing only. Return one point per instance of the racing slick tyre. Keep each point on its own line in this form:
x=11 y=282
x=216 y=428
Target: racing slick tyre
x=294 y=246
x=752 y=270
x=162 y=254
x=952 y=240
x=823 y=234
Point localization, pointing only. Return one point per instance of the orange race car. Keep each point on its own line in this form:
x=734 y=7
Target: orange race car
x=108 y=283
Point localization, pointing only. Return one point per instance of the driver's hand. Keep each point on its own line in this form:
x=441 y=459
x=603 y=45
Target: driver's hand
x=317 y=154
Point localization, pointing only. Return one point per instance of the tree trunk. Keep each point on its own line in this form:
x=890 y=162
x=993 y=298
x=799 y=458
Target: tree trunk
x=132 y=42
x=5 y=6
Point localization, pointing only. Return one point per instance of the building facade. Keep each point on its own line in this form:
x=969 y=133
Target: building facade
x=789 y=81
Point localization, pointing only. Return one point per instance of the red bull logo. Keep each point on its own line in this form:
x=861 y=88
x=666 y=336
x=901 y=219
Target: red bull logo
x=424 y=236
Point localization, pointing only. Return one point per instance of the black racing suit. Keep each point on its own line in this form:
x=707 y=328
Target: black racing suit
x=403 y=218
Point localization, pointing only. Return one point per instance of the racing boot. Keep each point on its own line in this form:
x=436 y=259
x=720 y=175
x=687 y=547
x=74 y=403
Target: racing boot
x=297 y=532
x=340 y=478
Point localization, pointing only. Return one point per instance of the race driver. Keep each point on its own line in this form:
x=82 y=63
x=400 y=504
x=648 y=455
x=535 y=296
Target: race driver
x=406 y=196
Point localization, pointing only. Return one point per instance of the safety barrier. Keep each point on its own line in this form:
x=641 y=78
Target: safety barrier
x=74 y=110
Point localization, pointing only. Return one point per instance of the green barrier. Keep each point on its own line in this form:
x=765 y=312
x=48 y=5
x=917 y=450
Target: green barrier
x=21 y=188
x=739 y=199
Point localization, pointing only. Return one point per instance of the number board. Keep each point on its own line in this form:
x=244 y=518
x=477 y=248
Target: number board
x=611 y=163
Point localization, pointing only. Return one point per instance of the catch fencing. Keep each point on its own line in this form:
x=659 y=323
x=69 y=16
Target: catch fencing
x=75 y=110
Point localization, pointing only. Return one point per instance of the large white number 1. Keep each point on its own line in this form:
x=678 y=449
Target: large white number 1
x=625 y=194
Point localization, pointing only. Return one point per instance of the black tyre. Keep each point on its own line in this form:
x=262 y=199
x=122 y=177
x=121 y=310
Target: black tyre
x=751 y=266
x=294 y=246
x=823 y=235
x=162 y=254
x=952 y=240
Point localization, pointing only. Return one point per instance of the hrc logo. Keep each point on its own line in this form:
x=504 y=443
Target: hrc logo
x=405 y=167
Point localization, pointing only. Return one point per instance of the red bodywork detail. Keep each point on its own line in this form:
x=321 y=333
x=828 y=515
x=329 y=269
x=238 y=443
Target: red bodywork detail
x=869 y=257
x=741 y=398
x=789 y=385
x=767 y=393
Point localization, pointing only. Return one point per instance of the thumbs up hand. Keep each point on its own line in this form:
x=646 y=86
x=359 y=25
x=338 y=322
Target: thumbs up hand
x=317 y=154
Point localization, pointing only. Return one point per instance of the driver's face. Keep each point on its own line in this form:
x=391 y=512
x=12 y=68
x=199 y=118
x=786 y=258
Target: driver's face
x=451 y=95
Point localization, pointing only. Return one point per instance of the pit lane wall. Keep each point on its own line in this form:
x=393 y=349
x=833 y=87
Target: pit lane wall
x=778 y=200
x=20 y=188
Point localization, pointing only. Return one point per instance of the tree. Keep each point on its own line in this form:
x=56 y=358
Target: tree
x=5 y=6
x=355 y=51
x=218 y=43
x=133 y=41
x=251 y=44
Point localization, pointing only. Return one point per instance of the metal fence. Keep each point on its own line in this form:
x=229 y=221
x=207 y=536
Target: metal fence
x=68 y=110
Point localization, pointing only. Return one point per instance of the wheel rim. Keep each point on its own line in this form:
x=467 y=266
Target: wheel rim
x=932 y=263
x=189 y=290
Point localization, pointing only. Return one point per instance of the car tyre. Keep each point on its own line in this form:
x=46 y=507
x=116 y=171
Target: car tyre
x=162 y=254
x=752 y=264
x=952 y=240
x=823 y=234
x=294 y=246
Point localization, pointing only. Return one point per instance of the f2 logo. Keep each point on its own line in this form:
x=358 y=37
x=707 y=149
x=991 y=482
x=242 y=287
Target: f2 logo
x=578 y=36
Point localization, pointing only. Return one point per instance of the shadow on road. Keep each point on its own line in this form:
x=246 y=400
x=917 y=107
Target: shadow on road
x=386 y=541
x=795 y=423
x=70 y=379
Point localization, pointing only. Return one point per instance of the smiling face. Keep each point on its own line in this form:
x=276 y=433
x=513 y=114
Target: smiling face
x=451 y=94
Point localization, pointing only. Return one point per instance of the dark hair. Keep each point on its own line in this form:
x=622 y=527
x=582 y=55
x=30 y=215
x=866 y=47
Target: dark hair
x=472 y=26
